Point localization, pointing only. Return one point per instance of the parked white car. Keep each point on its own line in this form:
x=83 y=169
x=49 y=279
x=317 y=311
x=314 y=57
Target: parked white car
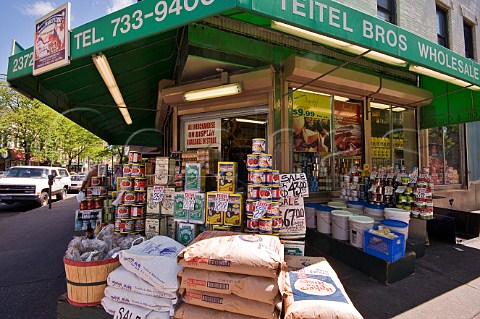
x=30 y=184
x=77 y=181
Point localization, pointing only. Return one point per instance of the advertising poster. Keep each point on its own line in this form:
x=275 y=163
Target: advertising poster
x=348 y=129
x=311 y=122
x=203 y=134
x=51 y=48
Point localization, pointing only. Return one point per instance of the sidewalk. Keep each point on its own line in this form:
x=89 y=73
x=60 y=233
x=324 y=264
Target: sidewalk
x=446 y=284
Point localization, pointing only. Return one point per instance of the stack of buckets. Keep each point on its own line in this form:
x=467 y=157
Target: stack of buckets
x=397 y=220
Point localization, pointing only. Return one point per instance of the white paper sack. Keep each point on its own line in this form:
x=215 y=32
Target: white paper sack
x=316 y=292
x=123 y=279
x=111 y=308
x=131 y=298
x=155 y=262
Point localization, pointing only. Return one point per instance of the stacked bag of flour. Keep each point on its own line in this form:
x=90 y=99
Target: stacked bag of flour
x=312 y=290
x=146 y=284
x=229 y=275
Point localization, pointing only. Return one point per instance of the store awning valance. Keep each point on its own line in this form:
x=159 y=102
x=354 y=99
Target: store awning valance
x=143 y=44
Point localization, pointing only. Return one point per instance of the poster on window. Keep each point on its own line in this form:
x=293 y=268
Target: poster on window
x=203 y=134
x=348 y=129
x=311 y=122
x=51 y=48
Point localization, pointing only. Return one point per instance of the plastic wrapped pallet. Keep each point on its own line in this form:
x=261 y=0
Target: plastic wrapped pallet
x=154 y=261
x=234 y=253
x=231 y=303
x=186 y=311
x=111 y=307
x=312 y=290
x=249 y=287
x=131 y=298
x=123 y=279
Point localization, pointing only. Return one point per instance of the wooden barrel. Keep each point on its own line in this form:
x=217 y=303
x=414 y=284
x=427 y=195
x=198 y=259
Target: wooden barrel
x=86 y=281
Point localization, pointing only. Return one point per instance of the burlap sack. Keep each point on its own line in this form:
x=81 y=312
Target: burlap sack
x=313 y=291
x=234 y=253
x=250 y=287
x=231 y=303
x=187 y=311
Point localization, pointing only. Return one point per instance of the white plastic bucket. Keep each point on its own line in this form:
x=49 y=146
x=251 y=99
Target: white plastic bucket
x=358 y=224
x=340 y=229
x=310 y=215
x=397 y=214
x=374 y=211
x=354 y=211
x=324 y=220
x=339 y=205
x=397 y=226
x=356 y=204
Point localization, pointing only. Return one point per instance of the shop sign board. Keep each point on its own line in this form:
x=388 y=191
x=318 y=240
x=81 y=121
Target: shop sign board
x=311 y=122
x=51 y=48
x=344 y=23
x=203 y=134
x=140 y=20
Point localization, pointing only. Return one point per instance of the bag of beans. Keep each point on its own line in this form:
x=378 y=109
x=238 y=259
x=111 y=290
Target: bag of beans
x=312 y=290
x=261 y=255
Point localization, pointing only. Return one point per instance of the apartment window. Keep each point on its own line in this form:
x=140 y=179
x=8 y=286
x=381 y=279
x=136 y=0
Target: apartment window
x=386 y=10
x=468 y=36
x=442 y=27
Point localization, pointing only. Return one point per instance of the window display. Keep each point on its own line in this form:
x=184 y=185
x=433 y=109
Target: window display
x=445 y=160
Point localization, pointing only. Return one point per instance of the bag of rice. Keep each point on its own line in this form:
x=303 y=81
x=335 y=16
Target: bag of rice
x=123 y=279
x=250 y=287
x=187 y=311
x=154 y=261
x=231 y=303
x=261 y=255
x=126 y=311
x=131 y=298
x=312 y=290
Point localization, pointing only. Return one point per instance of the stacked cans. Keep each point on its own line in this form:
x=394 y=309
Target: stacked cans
x=423 y=207
x=132 y=187
x=263 y=191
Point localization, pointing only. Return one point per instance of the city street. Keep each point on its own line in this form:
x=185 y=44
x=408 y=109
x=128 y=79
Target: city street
x=31 y=248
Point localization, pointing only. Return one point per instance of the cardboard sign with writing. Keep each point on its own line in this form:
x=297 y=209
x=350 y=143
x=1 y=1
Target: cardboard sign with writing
x=158 y=192
x=189 y=201
x=292 y=211
x=294 y=185
x=221 y=202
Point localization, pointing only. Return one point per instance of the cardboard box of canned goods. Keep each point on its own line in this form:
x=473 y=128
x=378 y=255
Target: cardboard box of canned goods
x=186 y=233
x=164 y=170
x=233 y=215
x=168 y=203
x=179 y=214
x=213 y=217
x=194 y=177
x=152 y=227
x=197 y=215
x=227 y=177
x=153 y=208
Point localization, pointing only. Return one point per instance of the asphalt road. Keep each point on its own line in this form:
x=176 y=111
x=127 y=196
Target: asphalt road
x=32 y=244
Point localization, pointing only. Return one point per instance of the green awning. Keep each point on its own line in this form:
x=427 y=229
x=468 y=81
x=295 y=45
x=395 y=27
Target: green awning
x=144 y=44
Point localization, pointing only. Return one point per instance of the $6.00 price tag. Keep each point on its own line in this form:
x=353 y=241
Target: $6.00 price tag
x=189 y=202
x=261 y=209
x=158 y=193
x=221 y=202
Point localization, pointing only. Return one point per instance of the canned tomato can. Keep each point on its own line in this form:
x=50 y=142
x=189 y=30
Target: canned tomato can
x=253 y=192
x=140 y=184
x=265 y=193
x=136 y=211
x=123 y=212
x=117 y=225
x=83 y=204
x=127 y=184
x=137 y=170
x=141 y=197
x=259 y=145
x=252 y=223
x=277 y=224
x=276 y=193
x=273 y=209
x=98 y=202
x=127 y=170
x=265 y=225
x=89 y=192
x=265 y=161
x=134 y=157
x=268 y=176
x=250 y=206
x=252 y=161
x=258 y=177
x=96 y=181
x=90 y=203
x=129 y=198
x=276 y=177
x=127 y=226
x=139 y=225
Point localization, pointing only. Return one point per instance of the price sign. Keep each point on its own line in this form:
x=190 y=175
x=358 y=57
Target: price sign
x=401 y=189
x=221 y=202
x=158 y=193
x=388 y=190
x=413 y=179
x=128 y=311
x=189 y=201
x=390 y=175
x=424 y=177
x=261 y=209
x=421 y=195
x=95 y=191
x=294 y=185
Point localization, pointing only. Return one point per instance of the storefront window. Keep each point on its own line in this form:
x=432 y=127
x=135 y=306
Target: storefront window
x=445 y=159
x=394 y=136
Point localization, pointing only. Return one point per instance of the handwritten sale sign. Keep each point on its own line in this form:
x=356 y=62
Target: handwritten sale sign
x=294 y=185
x=292 y=211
